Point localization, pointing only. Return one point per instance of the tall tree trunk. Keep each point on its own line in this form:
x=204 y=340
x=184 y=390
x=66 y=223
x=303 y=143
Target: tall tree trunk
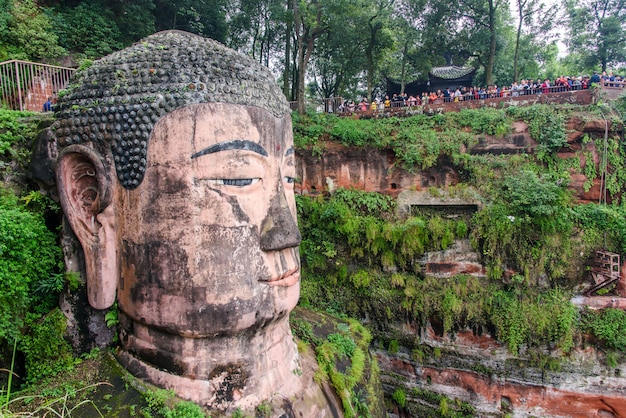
x=517 y=41
x=287 y=70
x=405 y=51
x=492 y=44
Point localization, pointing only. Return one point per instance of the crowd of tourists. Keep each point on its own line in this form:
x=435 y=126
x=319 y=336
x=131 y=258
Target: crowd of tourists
x=464 y=93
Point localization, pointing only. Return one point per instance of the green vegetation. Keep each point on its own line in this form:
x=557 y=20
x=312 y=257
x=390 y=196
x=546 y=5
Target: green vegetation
x=161 y=403
x=608 y=325
x=445 y=407
x=17 y=134
x=342 y=350
x=332 y=354
x=527 y=234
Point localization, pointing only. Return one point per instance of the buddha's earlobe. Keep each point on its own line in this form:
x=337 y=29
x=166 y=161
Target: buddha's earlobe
x=85 y=192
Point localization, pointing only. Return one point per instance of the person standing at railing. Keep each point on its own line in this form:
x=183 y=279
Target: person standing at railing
x=364 y=105
x=595 y=78
x=47 y=106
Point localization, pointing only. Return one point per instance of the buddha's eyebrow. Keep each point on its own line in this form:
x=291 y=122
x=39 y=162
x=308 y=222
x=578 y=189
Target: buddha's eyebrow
x=289 y=151
x=236 y=144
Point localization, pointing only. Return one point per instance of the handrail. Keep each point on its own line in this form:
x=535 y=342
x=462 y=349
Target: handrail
x=28 y=85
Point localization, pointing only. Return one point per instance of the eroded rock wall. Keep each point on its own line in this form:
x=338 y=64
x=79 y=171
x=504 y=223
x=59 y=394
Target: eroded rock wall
x=478 y=370
x=376 y=170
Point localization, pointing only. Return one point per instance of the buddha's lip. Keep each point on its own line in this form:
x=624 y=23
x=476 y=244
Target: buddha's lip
x=286 y=279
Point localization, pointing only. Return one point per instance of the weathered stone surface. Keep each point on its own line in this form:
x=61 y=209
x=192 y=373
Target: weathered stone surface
x=377 y=170
x=459 y=258
x=479 y=370
x=176 y=171
x=364 y=169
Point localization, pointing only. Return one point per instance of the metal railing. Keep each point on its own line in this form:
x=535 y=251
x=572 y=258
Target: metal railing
x=28 y=85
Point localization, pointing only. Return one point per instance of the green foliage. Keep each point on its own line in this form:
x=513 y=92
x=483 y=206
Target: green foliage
x=348 y=346
x=366 y=225
x=529 y=227
x=112 y=316
x=608 y=325
x=604 y=226
x=394 y=346
x=88 y=29
x=264 y=410
x=185 y=409
x=484 y=121
x=308 y=129
x=43 y=344
x=446 y=407
x=366 y=203
x=545 y=125
x=537 y=197
x=29 y=259
x=17 y=130
x=612 y=359
x=399 y=397
x=302 y=329
x=29 y=34
x=161 y=403
x=353 y=131
x=542 y=318
x=612 y=155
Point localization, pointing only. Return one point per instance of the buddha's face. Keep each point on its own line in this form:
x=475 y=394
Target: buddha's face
x=209 y=241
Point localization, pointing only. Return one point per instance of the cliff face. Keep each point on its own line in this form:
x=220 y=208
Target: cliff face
x=478 y=370
x=470 y=366
x=375 y=170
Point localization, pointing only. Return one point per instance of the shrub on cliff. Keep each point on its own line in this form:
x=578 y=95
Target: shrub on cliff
x=30 y=281
x=608 y=325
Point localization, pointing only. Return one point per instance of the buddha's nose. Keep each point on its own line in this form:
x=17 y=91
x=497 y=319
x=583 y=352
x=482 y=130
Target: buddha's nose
x=279 y=229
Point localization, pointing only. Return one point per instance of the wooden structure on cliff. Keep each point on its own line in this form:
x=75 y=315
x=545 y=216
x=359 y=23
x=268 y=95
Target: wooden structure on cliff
x=605 y=271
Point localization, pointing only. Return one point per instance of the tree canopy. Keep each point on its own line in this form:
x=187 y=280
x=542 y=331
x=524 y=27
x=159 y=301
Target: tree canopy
x=348 y=48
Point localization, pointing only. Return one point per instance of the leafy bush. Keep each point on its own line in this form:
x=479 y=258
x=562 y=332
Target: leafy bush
x=88 y=29
x=608 y=325
x=545 y=125
x=352 y=132
x=604 y=225
x=17 y=130
x=399 y=397
x=486 y=121
x=29 y=257
x=29 y=34
x=529 y=227
x=542 y=318
x=46 y=351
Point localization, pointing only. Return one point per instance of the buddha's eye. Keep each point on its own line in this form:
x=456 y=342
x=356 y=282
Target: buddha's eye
x=234 y=182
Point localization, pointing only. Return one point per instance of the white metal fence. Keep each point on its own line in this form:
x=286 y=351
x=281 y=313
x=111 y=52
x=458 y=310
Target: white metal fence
x=28 y=85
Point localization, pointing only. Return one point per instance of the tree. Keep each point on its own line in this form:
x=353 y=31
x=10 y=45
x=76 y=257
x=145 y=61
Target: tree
x=257 y=27
x=203 y=17
x=309 y=19
x=379 y=38
x=356 y=43
x=134 y=18
x=597 y=30
x=28 y=33
x=411 y=58
x=88 y=29
x=538 y=19
x=480 y=21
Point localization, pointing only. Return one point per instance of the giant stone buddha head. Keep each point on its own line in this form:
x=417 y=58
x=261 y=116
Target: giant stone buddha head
x=175 y=172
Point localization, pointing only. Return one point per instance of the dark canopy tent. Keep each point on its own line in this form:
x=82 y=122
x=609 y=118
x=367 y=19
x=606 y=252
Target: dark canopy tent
x=439 y=78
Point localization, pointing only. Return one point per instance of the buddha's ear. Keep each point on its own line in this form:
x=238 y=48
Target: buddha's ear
x=85 y=189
